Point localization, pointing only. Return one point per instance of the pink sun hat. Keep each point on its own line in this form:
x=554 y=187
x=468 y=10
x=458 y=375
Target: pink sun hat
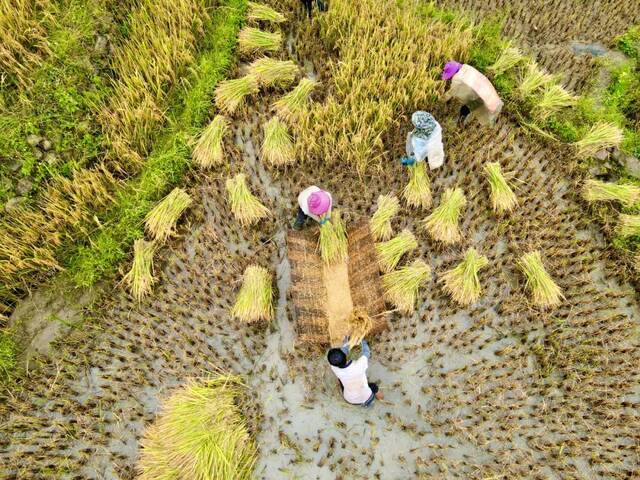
x=319 y=202
x=450 y=69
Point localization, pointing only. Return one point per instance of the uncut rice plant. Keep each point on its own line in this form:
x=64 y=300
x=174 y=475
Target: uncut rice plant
x=553 y=99
x=598 y=191
x=380 y=223
x=199 y=434
x=600 y=136
x=462 y=282
x=245 y=206
x=375 y=82
x=292 y=104
x=533 y=79
x=391 y=251
x=442 y=223
x=24 y=39
x=503 y=200
x=231 y=94
x=401 y=286
x=209 y=148
x=253 y=40
x=162 y=219
x=162 y=39
x=545 y=292
x=270 y=72
x=509 y=58
x=417 y=193
x=254 y=302
x=139 y=280
x=277 y=146
x=333 y=243
x=264 y=13
x=628 y=225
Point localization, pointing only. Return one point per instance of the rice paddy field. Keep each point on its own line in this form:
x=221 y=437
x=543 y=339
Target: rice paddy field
x=152 y=154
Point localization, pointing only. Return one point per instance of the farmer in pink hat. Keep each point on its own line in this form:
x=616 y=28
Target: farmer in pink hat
x=476 y=93
x=315 y=203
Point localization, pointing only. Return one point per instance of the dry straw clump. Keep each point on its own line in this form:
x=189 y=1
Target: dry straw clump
x=401 y=286
x=200 y=434
x=462 y=282
x=442 y=224
x=253 y=40
x=509 y=58
x=533 y=79
x=209 y=148
x=360 y=324
x=162 y=219
x=24 y=41
x=270 y=72
x=628 y=225
x=380 y=224
x=417 y=193
x=277 y=146
x=601 y=136
x=245 y=206
x=544 y=290
x=333 y=243
x=163 y=37
x=292 y=104
x=139 y=279
x=598 y=191
x=371 y=90
x=553 y=99
x=231 y=94
x=254 y=302
x=391 y=251
x=264 y=13
x=503 y=199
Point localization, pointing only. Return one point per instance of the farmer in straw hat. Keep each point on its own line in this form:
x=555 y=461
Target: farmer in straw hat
x=476 y=93
x=315 y=203
x=425 y=141
x=352 y=375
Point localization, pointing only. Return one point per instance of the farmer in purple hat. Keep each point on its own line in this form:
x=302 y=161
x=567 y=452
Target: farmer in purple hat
x=315 y=203
x=476 y=93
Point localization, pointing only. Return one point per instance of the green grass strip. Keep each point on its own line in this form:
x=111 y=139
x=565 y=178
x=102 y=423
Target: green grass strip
x=170 y=160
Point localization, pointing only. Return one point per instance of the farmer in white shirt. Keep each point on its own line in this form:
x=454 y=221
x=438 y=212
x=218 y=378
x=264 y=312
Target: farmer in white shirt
x=315 y=203
x=424 y=142
x=352 y=375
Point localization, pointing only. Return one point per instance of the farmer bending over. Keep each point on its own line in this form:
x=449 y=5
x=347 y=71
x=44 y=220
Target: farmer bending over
x=425 y=141
x=352 y=375
x=315 y=203
x=476 y=93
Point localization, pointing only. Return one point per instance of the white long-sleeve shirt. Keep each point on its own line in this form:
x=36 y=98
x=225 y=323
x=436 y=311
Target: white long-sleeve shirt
x=354 y=381
x=303 y=199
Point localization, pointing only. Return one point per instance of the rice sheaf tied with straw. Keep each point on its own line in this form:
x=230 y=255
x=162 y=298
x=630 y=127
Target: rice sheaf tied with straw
x=601 y=136
x=628 y=225
x=253 y=40
x=596 y=190
x=230 y=94
x=245 y=206
x=200 y=434
x=161 y=220
x=462 y=282
x=333 y=243
x=503 y=199
x=254 y=302
x=139 y=279
x=391 y=251
x=417 y=193
x=401 y=286
x=442 y=224
x=209 y=149
x=544 y=290
x=277 y=147
x=264 y=13
x=292 y=104
x=380 y=224
x=270 y=72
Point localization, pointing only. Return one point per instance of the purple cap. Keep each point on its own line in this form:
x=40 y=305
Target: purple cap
x=450 y=69
x=319 y=202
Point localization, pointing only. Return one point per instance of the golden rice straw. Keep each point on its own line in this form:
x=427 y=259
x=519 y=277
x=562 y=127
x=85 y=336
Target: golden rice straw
x=380 y=224
x=255 y=299
x=401 y=286
x=598 y=191
x=161 y=220
x=628 y=225
x=209 y=148
x=270 y=72
x=360 y=324
x=264 y=13
x=442 y=224
x=140 y=279
x=544 y=290
x=333 y=243
x=253 y=40
x=601 y=136
x=417 y=193
x=245 y=206
x=462 y=282
x=277 y=146
x=231 y=94
x=391 y=251
x=503 y=199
